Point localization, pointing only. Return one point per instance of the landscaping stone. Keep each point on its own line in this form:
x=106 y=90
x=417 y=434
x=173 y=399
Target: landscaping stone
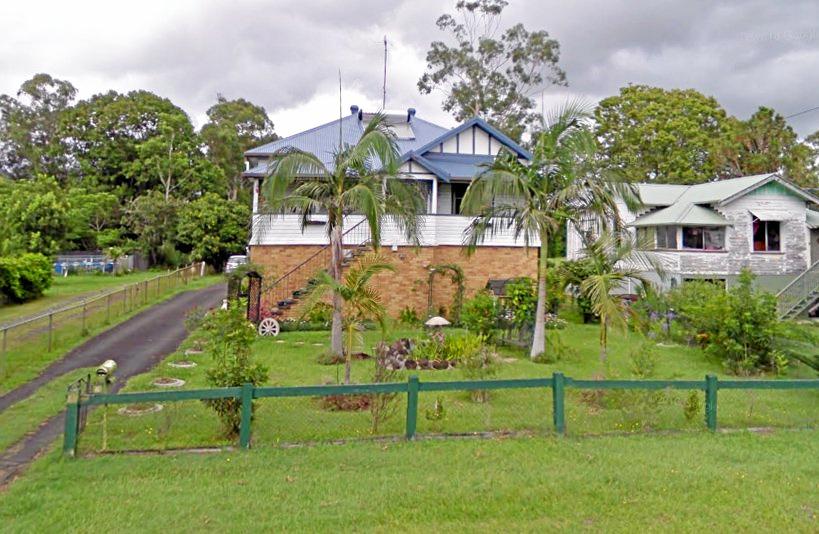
x=166 y=382
x=182 y=364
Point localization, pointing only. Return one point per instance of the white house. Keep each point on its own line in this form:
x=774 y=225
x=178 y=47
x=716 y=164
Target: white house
x=714 y=230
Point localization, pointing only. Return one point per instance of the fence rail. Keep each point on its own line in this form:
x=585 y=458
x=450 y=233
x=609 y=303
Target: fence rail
x=43 y=331
x=413 y=387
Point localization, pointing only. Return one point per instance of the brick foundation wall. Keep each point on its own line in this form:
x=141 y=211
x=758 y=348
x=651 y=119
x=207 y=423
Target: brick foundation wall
x=408 y=286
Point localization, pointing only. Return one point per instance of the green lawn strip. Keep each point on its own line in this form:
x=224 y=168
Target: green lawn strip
x=26 y=416
x=681 y=483
x=70 y=288
x=26 y=362
x=291 y=359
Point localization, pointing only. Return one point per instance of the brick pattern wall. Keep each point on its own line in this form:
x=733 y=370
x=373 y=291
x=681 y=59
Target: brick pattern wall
x=409 y=286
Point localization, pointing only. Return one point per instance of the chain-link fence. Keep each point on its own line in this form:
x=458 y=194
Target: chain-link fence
x=27 y=345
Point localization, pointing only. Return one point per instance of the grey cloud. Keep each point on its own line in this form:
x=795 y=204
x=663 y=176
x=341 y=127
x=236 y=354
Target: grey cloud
x=282 y=53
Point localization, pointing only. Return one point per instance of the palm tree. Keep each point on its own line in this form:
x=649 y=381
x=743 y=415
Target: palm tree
x=615 y=261
x=562 y=182
x=361 y=301
x=363 y=179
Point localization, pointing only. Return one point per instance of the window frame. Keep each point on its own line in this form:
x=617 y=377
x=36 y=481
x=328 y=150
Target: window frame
x=765 y=225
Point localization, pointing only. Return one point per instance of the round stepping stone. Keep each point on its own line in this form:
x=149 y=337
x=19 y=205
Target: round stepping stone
x=165 y=382
x=135 y=410
x=182 y=364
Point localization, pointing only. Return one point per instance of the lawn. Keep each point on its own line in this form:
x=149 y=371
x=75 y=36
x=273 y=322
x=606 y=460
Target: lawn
x=691 y=482
x=68 y=289
x=292 y=360
x=25 y=360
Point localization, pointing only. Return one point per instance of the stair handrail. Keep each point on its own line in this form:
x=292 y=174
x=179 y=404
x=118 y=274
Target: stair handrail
x=315 y=254
x=787 y=291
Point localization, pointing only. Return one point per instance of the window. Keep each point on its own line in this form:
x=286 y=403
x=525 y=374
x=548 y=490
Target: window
x=646 y=237
x=703 y=237
x=667 y=237
x=766 y=235
x=458 y=192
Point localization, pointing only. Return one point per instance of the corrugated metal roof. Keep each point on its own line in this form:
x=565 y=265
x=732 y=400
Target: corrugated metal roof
x=459 y=165
x=660 y=194
x=684 y=214
x=323 y=140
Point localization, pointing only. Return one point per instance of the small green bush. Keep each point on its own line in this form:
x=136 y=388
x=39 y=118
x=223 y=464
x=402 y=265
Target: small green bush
x=480 y=314
x=24 y=277
x=320 y=312
x=229 y=340
x=408 y=316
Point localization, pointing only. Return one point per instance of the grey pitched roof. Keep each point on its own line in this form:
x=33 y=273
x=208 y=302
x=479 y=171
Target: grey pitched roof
x=323 y=140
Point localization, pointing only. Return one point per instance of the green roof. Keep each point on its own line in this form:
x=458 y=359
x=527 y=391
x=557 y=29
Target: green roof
x=693 y=204
x=684 y=214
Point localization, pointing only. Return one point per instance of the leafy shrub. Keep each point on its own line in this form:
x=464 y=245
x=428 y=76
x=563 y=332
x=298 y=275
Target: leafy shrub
x=24 y=277
x=320 y=312
x=480 y=364
x=573 y=273
x=480 y=314
x=408 y=316
x=643 y=359
x=229 y=340
x=738 y=326
x=383 y=406
x=521 y=301
x=692 y=406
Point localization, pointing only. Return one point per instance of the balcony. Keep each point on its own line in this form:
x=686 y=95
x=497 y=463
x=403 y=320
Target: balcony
x=435 y=230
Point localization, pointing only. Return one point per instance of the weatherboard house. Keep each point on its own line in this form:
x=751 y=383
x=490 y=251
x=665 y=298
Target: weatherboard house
x=713 y=230
x=443 y=161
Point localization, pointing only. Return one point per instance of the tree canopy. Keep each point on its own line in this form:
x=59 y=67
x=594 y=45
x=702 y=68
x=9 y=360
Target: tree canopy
x=491 y=73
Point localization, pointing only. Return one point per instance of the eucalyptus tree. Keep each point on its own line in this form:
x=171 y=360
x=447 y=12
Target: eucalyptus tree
x=362 y=179
x=563 y=182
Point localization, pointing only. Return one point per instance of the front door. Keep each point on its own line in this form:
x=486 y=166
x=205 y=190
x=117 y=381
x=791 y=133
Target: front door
x=458 y=192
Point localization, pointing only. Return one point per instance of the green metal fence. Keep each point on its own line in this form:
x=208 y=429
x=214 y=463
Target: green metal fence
x=413 y=388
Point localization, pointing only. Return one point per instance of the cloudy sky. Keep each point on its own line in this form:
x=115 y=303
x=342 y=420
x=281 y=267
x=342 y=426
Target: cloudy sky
x=285 y=54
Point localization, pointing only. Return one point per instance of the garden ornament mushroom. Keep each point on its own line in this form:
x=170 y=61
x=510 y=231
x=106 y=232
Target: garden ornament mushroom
x=437 y=321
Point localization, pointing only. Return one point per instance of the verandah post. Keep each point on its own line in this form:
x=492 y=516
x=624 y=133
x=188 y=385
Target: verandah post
x=711 y=402
x=558 y=404
x=247 y=415
x=412 y=406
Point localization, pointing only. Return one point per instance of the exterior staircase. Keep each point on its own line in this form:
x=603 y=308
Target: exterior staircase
x=285 y=292
x=800 y=295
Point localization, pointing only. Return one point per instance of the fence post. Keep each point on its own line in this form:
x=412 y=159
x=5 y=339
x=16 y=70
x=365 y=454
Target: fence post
x=247 y=415
x=82 y=330
x=3 y=353
x=145 y=294
x=108 y=309
x=711 y=402
x=558 y=403
x=72 y=411
x=412 y=406
x=50 y=330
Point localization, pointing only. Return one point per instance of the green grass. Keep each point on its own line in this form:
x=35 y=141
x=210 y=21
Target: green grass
x=26 y=360
x=291 y=359
x=64 y=290
x=25 y=416
x=680 y=483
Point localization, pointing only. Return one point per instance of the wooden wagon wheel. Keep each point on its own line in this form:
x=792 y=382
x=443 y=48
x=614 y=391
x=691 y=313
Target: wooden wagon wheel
x=269 y=327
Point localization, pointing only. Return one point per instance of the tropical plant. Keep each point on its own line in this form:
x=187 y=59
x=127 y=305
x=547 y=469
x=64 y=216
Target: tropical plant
x=456 y=276
x=562 y=182
x=360 y=300
x=480 y=314
x=616 y=261
x=363 y=179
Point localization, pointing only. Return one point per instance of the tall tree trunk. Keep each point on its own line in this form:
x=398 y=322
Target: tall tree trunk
x=604 y=341
x=336 y=332
x=539 y=337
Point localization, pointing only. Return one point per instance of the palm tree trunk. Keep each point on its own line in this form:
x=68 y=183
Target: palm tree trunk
x=604 y=341
x=349 y=356
x=336 y=331
x=539 y=337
